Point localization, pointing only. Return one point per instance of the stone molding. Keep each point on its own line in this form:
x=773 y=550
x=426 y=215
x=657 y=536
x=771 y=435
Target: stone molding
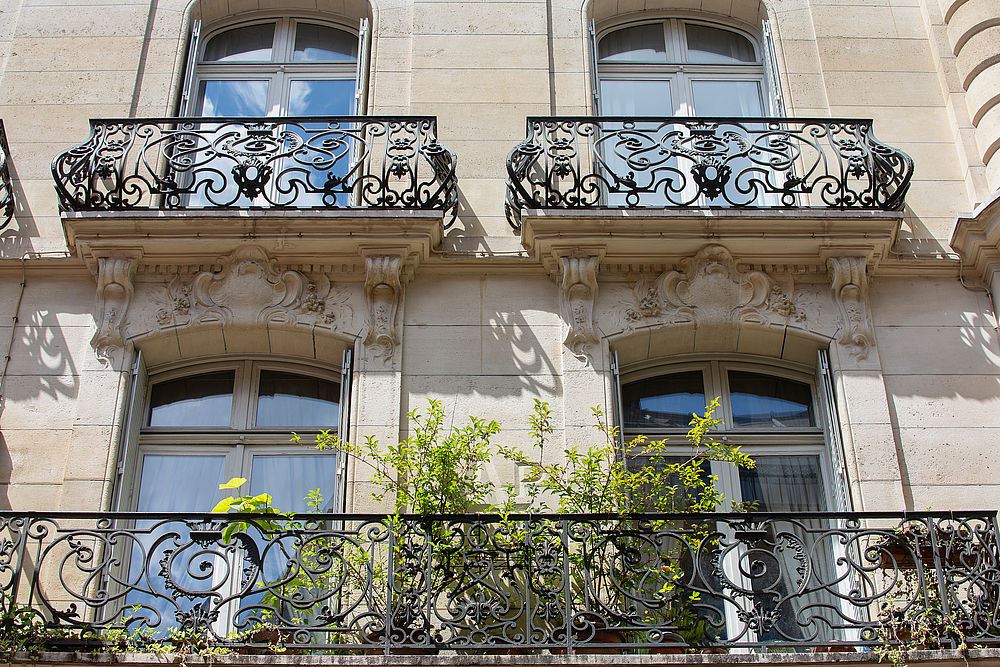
x=710 y=289
x=250 y=287
x=849 y=284
x=115 y=288
x=577 y=294
x=383 y=295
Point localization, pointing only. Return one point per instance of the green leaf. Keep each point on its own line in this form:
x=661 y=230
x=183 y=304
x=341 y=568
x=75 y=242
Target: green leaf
x=223 y=505
x=234 y=483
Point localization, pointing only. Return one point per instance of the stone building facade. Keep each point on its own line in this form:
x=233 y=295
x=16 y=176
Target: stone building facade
x=840 y=301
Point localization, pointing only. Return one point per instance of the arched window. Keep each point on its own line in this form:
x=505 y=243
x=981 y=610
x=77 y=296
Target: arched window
x=679 y=67
x=206 y=425
x=276 y=67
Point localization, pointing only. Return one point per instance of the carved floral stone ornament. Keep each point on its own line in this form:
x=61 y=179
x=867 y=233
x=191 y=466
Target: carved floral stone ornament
x=710 y=289
x=383 y=292
x=115 y=287
x=849 y=282
x=251 y=288
x=577 y=293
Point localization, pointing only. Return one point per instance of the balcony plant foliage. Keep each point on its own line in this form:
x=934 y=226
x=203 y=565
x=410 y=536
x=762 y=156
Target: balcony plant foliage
x=635 y=576
x=421 y=580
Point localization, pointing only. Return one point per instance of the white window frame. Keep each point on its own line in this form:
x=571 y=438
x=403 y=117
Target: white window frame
x=755 y=441
x=241 y=439
x=280 y=70
x=677 y=70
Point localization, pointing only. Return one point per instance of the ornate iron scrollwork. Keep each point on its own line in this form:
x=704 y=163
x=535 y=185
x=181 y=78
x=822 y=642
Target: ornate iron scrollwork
x=621 y=162
x=378 y=583
x=300 y=163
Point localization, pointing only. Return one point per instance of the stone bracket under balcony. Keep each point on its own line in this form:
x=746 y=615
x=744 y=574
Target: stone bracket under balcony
x=663 y=237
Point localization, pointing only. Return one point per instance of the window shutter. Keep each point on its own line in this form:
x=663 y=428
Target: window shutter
x=344 y=425
x=361 y=75
x=129 y=435
x=187 y=85
x=595 y=88
x=774 y=98
x=830 y=423
x=619 y=415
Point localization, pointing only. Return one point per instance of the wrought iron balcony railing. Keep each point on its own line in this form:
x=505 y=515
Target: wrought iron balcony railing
x=320 y=162
x=371 y=583
x=6 y=185
x=625 y=162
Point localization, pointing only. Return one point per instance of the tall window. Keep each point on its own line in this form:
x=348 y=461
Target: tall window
x=775 y=416
x=679 y=67
x=227 y=420
x=202 y=427
x=277 y=67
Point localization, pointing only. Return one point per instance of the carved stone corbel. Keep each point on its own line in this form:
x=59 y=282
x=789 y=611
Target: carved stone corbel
x=849 y=281
x=383 y=293
x=115 y=274
x=577 y=294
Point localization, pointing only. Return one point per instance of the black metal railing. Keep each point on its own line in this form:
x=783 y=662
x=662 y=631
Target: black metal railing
x=320 y=162
x=566 y=583
x=627 y=162
x=6 y=185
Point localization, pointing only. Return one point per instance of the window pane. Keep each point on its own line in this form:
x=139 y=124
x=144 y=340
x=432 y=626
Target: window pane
x=325 y=97
x=287 y=399
x=198 y=400
x=765 y=400
x=784 y=484
x=288 y=478
x=667 y=401
x=641 y=43
x=713 y=45
x=319 y=42
x=179 y=483
x=727 y=98
x=637 y=97
x=252 y=43
x=232 y=98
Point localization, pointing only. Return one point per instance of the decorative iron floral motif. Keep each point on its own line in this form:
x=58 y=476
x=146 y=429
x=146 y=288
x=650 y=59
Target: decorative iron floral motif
x=486 y=582
x=302 y=163
x=586 y=162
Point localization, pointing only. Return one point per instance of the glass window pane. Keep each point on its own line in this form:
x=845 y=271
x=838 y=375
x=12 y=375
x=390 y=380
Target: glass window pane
x=287 y=399
x=252 y=43
x=198 y=400
x=179 y=483
x=642 y=97
x=727 y=98
x=641 y=43
x=218 y=98
x=784 y=484
x=769 y=401
x=667 y=401
x=289 y=478
x=319 y=42
x=325 y=97
x=717 y=46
